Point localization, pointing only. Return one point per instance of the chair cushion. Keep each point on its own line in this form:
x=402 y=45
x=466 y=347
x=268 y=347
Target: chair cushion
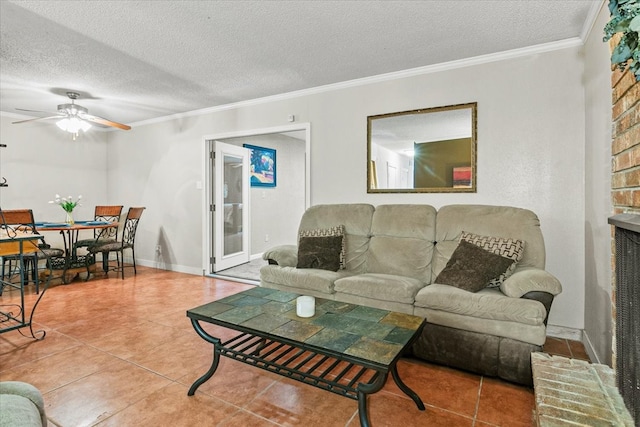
x=51 y=252
x=107 y=247
x=91 y=242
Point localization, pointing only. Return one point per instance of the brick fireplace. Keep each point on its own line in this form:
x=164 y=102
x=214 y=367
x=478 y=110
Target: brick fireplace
x=625 y=197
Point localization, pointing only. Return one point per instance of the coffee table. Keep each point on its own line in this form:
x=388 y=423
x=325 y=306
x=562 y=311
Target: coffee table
x=344 y=348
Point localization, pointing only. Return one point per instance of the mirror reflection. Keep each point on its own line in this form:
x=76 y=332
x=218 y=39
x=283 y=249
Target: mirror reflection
x=428 y=150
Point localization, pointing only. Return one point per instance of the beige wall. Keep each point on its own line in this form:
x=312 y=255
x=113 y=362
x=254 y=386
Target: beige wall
x=40 y=161
x=598 y=328
x=540 y=130
x=530 y=133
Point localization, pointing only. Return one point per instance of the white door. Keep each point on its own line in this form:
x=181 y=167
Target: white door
x=231 y=206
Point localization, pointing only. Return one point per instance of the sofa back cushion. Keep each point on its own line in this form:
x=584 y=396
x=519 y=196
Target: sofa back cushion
x=356 y=219
x=402 y=239
x=484 y=220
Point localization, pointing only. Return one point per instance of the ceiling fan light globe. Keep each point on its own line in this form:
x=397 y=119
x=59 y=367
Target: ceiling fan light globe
x=73 y=125
x=85 y=126
x=63 y=124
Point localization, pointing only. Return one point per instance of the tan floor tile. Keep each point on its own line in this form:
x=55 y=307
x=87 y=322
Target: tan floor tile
x=98 y=396
x=126 y=341
x=290 y=403
x=390 y=410
x=143 y=319
x=246 y=419
x=446 y=388
x=556 y=346
x=234 y=382
x=505 y=404
x=188 y=349
x=59 y=369
x=16 y=349
x=170 y=406
x=578 y=351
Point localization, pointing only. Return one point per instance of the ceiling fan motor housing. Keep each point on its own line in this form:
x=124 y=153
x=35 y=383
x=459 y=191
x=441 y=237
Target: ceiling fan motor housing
x=72 y=109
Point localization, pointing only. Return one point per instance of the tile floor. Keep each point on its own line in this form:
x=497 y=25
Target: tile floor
x=123 y=353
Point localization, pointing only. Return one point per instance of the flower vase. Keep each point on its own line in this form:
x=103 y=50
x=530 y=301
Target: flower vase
x=69 y=219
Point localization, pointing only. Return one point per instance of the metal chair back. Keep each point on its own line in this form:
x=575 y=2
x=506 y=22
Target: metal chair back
x=21 y=219
x=131 y=226
x=109 y=213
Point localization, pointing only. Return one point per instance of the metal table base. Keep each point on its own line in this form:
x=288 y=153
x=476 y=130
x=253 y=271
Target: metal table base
x=296 y=361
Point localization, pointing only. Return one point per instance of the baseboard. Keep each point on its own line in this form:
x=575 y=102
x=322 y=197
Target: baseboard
x=165 y=266
x=255 y=256
x=564 y=332
x=589 y=348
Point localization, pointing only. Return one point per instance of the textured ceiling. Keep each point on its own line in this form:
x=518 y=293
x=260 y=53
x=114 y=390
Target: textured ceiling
x=137 y=60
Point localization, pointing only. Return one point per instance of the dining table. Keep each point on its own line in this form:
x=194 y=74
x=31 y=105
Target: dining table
x=15 y=315
x=70 y=232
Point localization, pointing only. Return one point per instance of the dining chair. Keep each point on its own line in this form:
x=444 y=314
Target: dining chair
x=107 y=213
x=23 y=219
x=127 y=241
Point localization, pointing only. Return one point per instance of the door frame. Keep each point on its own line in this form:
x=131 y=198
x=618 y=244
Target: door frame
x=207 y=191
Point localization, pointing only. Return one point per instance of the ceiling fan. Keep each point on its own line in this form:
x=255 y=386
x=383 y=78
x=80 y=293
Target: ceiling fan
x=73 y=117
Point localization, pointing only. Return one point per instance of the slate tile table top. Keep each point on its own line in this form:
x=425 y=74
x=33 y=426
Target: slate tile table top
x=369 y=339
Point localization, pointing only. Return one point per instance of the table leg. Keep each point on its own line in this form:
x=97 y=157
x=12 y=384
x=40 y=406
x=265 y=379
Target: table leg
x=412 y=394
x=363 y=391
x=214 y=363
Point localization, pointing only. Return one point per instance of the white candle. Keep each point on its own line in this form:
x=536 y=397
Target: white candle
x=305 y=306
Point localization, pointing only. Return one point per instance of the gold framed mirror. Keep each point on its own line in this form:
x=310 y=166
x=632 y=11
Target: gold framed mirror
x=431 y=150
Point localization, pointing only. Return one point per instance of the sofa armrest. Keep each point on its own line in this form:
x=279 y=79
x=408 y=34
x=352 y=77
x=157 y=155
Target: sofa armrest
x=21 y=412
x=543 y=297
x=529 y=280
x=283 y=255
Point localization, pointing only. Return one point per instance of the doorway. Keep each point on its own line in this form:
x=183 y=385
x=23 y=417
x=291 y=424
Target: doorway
x=274 y=212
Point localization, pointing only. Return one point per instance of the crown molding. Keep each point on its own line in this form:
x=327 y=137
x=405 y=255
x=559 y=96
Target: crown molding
x=436 y=68
x=429 y=69
x=592 y=15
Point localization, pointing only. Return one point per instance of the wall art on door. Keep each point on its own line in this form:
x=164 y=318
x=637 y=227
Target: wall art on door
x=263 y=166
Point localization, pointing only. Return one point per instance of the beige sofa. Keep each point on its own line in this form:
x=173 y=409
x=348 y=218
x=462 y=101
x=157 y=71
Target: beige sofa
x=394 y=253
x=21 y=405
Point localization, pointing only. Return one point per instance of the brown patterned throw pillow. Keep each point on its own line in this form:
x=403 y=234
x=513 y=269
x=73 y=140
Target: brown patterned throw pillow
x=506 y=247
x=321 y=247
x=471 y=267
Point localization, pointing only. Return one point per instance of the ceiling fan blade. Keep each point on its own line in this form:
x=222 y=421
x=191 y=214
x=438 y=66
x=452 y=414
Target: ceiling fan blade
x=35 y=111
x=37 y=118
x=105 y=122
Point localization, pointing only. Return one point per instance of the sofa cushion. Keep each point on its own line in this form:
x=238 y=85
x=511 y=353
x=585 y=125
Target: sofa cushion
x=485 y=220
x=385 y=287
x=532 y=334
x=489 y=303
x=302 y=278
x=321 y=248
x=402 y=239
x=508 y=248
x=471 y=268
x=356 y=219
